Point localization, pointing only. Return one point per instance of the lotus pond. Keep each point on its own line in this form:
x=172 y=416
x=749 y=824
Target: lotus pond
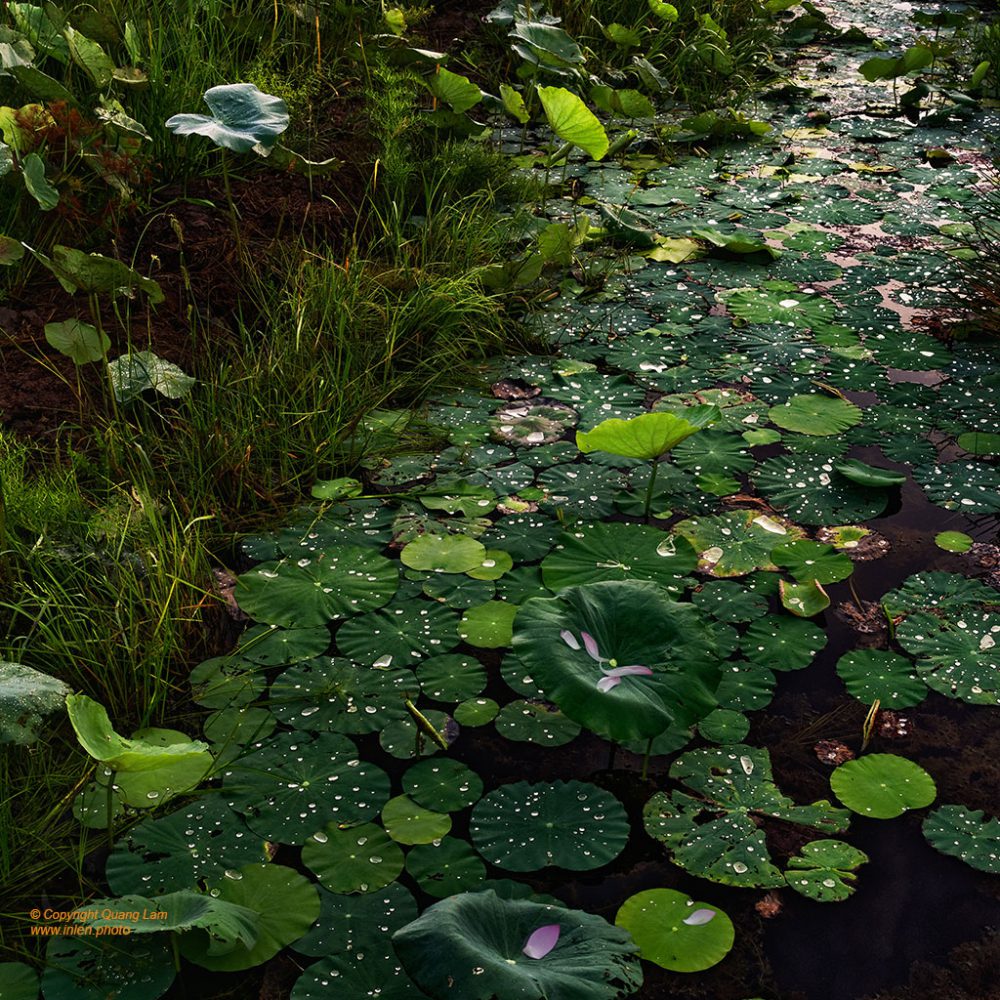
x=674 y=671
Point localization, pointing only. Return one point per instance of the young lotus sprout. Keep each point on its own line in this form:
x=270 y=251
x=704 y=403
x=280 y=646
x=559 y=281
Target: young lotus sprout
x=613 y=676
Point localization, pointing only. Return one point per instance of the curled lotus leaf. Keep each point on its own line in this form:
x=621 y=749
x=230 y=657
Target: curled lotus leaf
x=243 y=118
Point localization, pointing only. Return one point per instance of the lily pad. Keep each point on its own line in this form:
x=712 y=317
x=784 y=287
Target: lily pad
x=807 y=560
x=451 y=677
x=536 y=722
x=356 y=859
x=882 y=785
x=408 y=823
x=399 y=635
x=736 y=543
x=445 y=867
x=648 y=436
x=878 y=675
x=139 y=967
x=724 y=726
x=443 y=553
x=805 y=600
x=953 y=541
x=782 y=643
x=965 y=834
x=824 y=870
x=567 y=824
x=343 y=581
x=675 y=932
x=815 y=414
x=476 y=712
x=471 y=947
x=443 y=785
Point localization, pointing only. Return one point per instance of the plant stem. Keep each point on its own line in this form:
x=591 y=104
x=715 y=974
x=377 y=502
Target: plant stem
x=110 y=808
x=645 y=760
x=649 y=488
x=234 y=218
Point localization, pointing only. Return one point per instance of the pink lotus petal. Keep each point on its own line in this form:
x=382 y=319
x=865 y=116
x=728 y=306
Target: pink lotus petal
x=591 y=646
x=607 y=683
x=542 y=941
x=626 y=671
x=568 y=638
x=700 y=917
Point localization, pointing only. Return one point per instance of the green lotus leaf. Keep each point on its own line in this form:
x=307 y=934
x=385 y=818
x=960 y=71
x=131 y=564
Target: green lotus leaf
x=357 y=922
x=947 y=595
x=979 y=443
x=359 y=858
x=404 y=738
x=824 y=870
x=471 y=947
x=724 y=726
x=443 y=785
x=153 y=786
x=133 y=374
x=953 y=541
x=868 y=475
x=736 y=543
x=648 y=436
x=957 y=654
x=782 y=643
x=536 y=722
x=675 y=932
x=292 y=782
x=736 y=243
x=159 y=855
x=27 y=696
x=727 y=601
x=807 y=560
x=271 y=646
x=489 y=625
x=632 y=624
x=882 y=785
x=458 y=591
x=18 y=981
x=877 y=675
x=965 y=834
x=244 y=118
x=330 y=694
x=567 y=824
x=137 y=967
x=79 y=341
x=714 y=836
x=457 y=91
x=530 y=424
x=476 y=712
x=573 y=121
x=408 y=823
x=287 y=904
x=803 y=599
x=443 y=553
x=445 y=867
x=779 y=305
x=592 y=552
x=400 y=634
x=714 y=451
x=494 y=564
x=451 y=677
x=816 y=414
x=343 y=581
x=226 y=682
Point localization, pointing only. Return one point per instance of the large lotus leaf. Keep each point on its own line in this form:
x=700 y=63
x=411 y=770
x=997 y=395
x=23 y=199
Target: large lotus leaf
x=27 y=696
x=371 y=971
x=443 y=553
x=948 y=595
x=451 y=677
x=96 y=274
x=878 y=675
x=811 y=491
x=471 y=947
x=271 y=646
x=226 y=682
x=137 y=967
x=675 y=932
x=97 y=736
x=342 y=581
x=400 y=634
x=966 y=834
x=715 y=836
x=335 y=695
x=633 y=623
x=592 y=552
x=17 y=980
x=287 y=902
x=807 y=560
x=825 y=870
x=293 y=784
x=356 y=859
x=648 y=436
x=736 y=543
x=573 y=121
x=714 y=452
x=535 y=722
x=199 y=842
x=244 y=118
x=445 y=867
x=816 y=414
x=969 y=487
x=957 y=655
x=154 y=786
x=727 y=601
x=882 y=785
x=782 y=643
x=566 y=824
x=778 y=305
x=357 y=922
x=526 y=537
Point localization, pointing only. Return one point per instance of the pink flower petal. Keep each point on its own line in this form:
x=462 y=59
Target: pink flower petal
x=542 y=941
x=568 y=638
x=607 y=683
x=626 y=671
x=591 y=646
x=700 y=917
